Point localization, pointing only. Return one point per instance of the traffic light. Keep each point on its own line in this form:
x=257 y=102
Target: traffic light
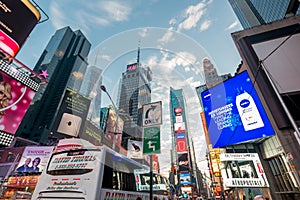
x=174 y=169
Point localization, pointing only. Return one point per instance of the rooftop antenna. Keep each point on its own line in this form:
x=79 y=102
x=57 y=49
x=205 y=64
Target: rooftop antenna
x=138 y=55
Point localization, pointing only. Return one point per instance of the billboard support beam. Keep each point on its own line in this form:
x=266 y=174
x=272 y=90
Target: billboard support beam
x=281 y=101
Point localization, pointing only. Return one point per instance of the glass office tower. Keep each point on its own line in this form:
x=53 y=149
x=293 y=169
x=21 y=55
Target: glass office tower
x=135 y=91
x=257 y=12
x=65 y=61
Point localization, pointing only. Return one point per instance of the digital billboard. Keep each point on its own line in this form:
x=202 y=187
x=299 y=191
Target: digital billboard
x=17 y=18
x=71 y=114
x=181 y=143
x=135 y=149
x=94 y=134
x=185 y=178
x=179 y=127
x=114 y=127
x=183 y=162
x=242 y=170
x=234 y=113
x=15 y=98
x=132 y=67
x=34 y=159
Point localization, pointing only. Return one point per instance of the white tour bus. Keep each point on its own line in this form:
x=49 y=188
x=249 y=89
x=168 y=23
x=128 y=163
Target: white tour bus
x=78 y=170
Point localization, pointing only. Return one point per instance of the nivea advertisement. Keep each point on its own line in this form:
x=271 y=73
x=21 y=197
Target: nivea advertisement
x=234 y=113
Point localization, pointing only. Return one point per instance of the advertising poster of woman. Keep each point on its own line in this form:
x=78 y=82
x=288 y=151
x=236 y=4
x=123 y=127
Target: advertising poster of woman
x=15 y=99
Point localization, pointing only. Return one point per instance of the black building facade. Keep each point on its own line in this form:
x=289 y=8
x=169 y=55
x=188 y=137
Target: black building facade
x=64 y=60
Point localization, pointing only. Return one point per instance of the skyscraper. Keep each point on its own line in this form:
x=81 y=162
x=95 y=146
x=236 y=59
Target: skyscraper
x=256 y=12
x=64 y=63
x=91 y=88
x=135 y=91
x=184 y=159
x=211 y=75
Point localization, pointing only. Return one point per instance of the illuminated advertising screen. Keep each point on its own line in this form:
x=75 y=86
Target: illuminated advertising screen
x=132 y=67
x=15 y=99
x=17 y=18
x=242 y=170
x=114 y=127
x=234 y=113
x=34 y=159
x=179 y=127
x=91 y=133
x=183 y=162
x=15 y=181
x=181 y=143
x=185 y=178
x=135 y=149
x=178 y=111
x=72 y=114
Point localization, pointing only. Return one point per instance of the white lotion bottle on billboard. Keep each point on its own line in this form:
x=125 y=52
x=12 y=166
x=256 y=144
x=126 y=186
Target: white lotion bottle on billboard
x=248 y=112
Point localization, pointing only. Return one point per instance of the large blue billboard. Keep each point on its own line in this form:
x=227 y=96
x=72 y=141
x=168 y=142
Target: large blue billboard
x=234 y=113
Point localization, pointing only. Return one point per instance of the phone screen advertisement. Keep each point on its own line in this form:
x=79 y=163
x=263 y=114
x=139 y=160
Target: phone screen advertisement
x=234 y=112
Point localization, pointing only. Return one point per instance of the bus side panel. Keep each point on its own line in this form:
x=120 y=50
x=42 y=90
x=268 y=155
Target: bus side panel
x=107 y=194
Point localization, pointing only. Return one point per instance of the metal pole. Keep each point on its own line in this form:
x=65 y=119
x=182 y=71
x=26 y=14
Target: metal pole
x=151 y=178
x=116 y=130
x=281 y=100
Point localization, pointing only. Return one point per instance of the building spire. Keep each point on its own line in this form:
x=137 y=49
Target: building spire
x=138 y=55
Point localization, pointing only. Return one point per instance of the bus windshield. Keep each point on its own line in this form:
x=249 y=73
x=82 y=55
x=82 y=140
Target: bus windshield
x=73 y=162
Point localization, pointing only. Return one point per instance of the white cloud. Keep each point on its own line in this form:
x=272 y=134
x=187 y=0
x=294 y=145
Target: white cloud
x=143 y=33
x=167 y=37
x=116 y=10
x=232 y=26
x=205 y=25
x=192 y=16
x=172 y=21
x=105 y=57
x=88 y=14
x=59 y=18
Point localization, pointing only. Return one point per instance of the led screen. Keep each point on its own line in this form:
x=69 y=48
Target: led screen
x=185 y=178
x=242 y=170
x=183 y=162
x=17 y=18
x=71 y=114
x=234 y=113
x=15 y=99
x=135 y=149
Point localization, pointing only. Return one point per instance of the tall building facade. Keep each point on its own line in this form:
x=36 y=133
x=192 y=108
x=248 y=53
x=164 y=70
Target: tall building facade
x=63 y=62
x=135 y=91
x=184 y=161
x=279 y=92
x=212 y=78
x=91 y=88
x=256 y=12
x=211 y=75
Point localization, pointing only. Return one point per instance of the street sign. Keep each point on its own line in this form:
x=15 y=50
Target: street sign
x=152 y=114
x=151 y=140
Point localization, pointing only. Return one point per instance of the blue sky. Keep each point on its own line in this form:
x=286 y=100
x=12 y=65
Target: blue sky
x=174 y=37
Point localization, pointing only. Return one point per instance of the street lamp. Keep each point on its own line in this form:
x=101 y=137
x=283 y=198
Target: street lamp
x=103 y=88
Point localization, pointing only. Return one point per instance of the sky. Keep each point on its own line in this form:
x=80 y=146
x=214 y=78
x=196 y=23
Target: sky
x=173 y=35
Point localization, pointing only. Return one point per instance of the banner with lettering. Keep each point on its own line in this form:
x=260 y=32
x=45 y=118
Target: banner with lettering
x=34 y=158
